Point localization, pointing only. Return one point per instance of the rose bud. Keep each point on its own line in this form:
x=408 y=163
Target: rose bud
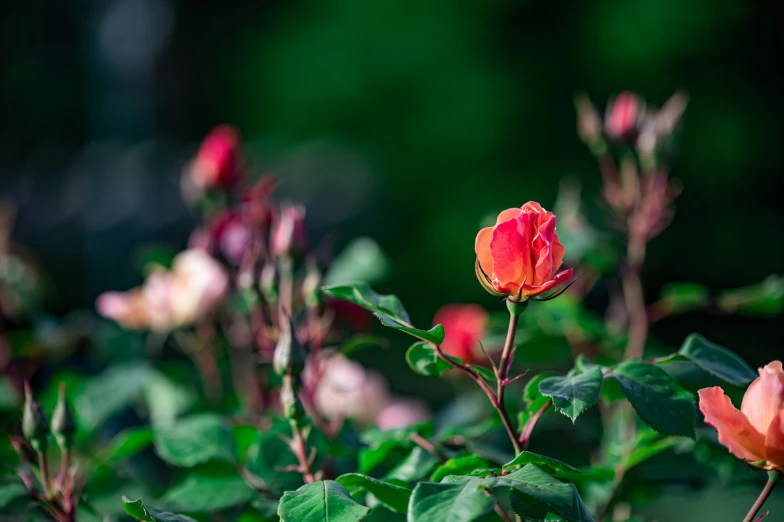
x=288 y=230
x=464 y=326
x=34 y=425
x=63 y=423
x=217 y=163
x=755 y=433
x=520 y=255
x=623 y=117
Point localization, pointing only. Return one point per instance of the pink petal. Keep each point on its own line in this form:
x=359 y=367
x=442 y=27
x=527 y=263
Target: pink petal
x=558 y=281
x=543 y=270
x=509 y=252
x=507 y=214
x=765 y=397
x=482 y=249
x=774 y=441
x=735 y=430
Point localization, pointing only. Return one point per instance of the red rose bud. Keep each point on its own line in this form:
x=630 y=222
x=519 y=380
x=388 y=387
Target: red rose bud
x=288 y=230
x=624 y=115
x=217 y=164
x=34 y=425
x=63 y=424
x=520 y=255
x=464 y=326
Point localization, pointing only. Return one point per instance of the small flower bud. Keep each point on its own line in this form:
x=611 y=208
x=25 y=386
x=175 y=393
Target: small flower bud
x=311 y=286
x=34 y=425
x=217 y=164
x=288 y=230
x=63 y=424
x=289 y=355
x=623 y=117
x=589 y=124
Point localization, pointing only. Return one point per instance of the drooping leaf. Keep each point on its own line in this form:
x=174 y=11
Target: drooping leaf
x=552 y=466
x=454 y=502
x=125 y=445
x=658 y=399
x=195 y=440
x=324 y=501
x=388 y=308
x=201 y=493
x=717 y=360
x=137 y=510
x=459 y=466
x=266 y=462
x=10 y=492
x=423 y=359
x=392 y=496
x=573 y=394
x=414 y=466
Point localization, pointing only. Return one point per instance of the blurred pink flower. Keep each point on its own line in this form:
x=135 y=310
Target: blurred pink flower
x=400 y=413
x=191 y=291
x=346 y=390
x=464 y=326
x=624 y=115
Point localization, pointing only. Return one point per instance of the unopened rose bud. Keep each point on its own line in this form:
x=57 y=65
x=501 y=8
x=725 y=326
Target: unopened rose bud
x=288 y=230
x=217 y=164
x=624 y=116
x=289 y=356
x=34 y=425
x=63 y=424
x=23 y=448
x=589 y=124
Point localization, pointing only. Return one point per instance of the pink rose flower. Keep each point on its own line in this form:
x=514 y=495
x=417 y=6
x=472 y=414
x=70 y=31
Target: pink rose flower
x=756 y=431
x=464 y=326
x=520 y=255
x=401 y=413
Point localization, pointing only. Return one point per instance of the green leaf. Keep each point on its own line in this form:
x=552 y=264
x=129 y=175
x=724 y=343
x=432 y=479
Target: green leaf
x=534 y=400
x=643 y=452
x=682 y=297
x=392 y=496
x=717 y=360
x=383 y=444
x=559 y=497
x=200 y=493
x=125 y=445
x=10 y=492
x=382 y=514
x=388 y=308
x=659 y=401
x=166 y=399
x=195 y=440
x=530 y=509
x=486 y=373
x=763 y=299
x=415 y=466
x=108 y=393
x=549 y=465
x=361 y=260
x=266 y=461
x=137 y=510
x=423 y=359
x=450 y=502
x=325 y=501
x=459 y=466
x=573 y=394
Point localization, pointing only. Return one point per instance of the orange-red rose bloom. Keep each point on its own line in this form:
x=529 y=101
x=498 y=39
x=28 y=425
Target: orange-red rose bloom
x=756 y=431
x=522 y=250
x=464 y=326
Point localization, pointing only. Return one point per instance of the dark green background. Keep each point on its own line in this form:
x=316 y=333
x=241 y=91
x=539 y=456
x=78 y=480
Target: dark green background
x=404 y=120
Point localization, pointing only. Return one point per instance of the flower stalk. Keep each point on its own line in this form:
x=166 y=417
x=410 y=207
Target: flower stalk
x=774 y=477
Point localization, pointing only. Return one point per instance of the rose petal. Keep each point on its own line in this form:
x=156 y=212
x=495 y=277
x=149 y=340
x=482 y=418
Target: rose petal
x=533 y=206
x=507 y=214
x=543 y=271
x=559 y=280
x=765 y=397
x=509 y=250
x=774 y=441
x=735 y=430
x=482 y=249
x=558 y=251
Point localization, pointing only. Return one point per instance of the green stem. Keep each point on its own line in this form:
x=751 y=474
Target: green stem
x=773 y=478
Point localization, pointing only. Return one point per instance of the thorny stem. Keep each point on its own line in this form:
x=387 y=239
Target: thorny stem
x=773 y=479
x=301 y=451
x=502 y=376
